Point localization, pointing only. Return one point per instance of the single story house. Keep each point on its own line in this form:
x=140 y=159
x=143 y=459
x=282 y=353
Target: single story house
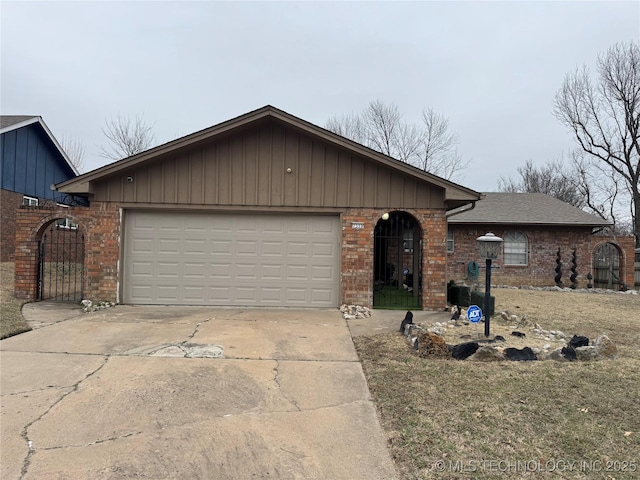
x=265 y=209
x=543 y=237
x=31 y=161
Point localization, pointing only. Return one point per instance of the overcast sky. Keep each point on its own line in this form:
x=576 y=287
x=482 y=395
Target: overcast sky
x=492 y=68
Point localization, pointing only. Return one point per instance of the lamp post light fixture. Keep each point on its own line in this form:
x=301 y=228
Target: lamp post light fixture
x=489 y=248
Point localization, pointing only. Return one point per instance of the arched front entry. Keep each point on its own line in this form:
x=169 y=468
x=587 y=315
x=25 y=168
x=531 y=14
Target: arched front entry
x=60 y=262
x=397 y=262
x=606 y=267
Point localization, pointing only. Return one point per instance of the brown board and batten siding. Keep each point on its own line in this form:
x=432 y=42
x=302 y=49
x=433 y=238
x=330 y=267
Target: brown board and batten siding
x=250 y=167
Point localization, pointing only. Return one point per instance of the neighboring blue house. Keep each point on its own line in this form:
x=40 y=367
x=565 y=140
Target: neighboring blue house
x=31 y=160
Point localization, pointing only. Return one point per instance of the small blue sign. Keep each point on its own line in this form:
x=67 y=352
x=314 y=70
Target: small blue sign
x=474 y=314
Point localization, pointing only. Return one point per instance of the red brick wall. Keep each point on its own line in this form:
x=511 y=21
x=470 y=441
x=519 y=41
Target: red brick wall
x=101 y=227
x=357 y=256
x=543 y=245
x=9 y=203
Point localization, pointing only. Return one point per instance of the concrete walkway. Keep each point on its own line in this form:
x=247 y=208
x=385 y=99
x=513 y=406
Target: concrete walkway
x=198 y=393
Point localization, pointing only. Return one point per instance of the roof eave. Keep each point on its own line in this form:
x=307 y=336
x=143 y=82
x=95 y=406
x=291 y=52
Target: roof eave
x=453 y=192
x=538 y=224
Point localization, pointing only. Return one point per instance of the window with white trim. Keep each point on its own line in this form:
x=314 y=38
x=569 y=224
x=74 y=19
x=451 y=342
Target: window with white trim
x=450 y=239
x=29 y=201
x=515 y=248
x=65 y=223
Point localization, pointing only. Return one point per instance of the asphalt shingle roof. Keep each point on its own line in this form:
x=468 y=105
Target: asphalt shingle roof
x=8 y=120
x=526 y=209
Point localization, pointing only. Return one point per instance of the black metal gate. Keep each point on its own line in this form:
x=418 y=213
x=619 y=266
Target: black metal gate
x=61 y=263
x=606 y=266
x=397 y=262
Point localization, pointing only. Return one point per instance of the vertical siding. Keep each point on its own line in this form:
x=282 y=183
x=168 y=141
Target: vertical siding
x=31 y=163
x=250 y=169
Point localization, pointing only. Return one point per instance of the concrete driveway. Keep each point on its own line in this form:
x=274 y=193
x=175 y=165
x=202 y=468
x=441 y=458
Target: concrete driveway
x=197 y=393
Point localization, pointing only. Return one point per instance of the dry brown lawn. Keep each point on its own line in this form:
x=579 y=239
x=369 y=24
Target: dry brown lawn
x=11 y=321
x=459 y=419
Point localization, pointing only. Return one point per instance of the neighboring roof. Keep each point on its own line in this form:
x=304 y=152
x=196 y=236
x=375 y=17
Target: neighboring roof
x=456 y=195
x=9 y=120
x=9 y=123
x=526 y=209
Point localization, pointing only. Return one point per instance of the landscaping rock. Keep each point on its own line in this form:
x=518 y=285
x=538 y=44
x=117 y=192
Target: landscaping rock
x=586 y=353
x=464 y=350
x=430 y=344
x=605 y=347
x=521 y=355
x=568 y=353
x=578 y=341
x=487 y=354
x=349 y=312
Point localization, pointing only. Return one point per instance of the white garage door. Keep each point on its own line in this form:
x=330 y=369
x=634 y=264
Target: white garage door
x=184 y=258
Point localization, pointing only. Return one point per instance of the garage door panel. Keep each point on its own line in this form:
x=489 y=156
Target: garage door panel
x=319 y=273
x=220 y=271
x=271 y=248
x=323 y=249
x=221 y=247
x=247 y=248
x=219 y=259
x=298 y=249
x=271 y=272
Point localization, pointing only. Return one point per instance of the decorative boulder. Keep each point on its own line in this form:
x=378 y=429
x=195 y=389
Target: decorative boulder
x=487 y=354
x=520 y=355
x=464 y=350
x=578 y=341
x=430 y=344
x=586 y=353
x=605 y=347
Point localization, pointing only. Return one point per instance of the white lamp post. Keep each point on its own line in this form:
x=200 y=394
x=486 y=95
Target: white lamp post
x=489 y=248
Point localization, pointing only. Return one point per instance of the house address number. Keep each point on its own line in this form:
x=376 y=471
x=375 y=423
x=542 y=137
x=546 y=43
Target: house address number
x=357 y=225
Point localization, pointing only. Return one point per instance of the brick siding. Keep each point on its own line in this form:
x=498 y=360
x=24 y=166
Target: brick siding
x=543 y=243
x=357 y=256
x=101 y=227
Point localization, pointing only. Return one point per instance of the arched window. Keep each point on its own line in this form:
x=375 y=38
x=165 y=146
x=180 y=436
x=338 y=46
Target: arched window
x=515 y=248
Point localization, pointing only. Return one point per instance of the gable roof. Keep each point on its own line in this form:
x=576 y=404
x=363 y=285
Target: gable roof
x=9 y=123
x=456 y=195
x=526 y=209
x=10 y=120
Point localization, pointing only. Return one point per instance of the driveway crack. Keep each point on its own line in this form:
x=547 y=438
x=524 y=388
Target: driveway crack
x=276 y=379
x=25 y=431
x=195 y=331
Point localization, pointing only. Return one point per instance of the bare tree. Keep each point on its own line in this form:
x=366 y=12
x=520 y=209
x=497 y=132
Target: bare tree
x=439 y=152
x=604 y=117
x=552 y=179
x=127 y=137
x=430 y=146
x=75 y=152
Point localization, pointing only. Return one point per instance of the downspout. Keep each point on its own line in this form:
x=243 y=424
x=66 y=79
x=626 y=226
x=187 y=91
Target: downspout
x=465 y=208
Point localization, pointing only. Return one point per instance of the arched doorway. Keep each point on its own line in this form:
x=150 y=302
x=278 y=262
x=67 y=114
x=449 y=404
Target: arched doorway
x=61 y=262
x=606 y=267
x=397 y=261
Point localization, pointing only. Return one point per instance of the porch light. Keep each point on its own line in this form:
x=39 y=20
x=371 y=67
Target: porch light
x=488 y=248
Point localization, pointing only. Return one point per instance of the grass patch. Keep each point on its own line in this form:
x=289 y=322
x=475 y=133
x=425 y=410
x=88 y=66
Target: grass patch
x=390 y=297
x=455 y=419
x=11 y=321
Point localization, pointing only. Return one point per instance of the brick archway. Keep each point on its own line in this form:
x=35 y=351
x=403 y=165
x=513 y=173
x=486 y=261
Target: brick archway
x=31 y=225
x=60 y=271
x=397 y=261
